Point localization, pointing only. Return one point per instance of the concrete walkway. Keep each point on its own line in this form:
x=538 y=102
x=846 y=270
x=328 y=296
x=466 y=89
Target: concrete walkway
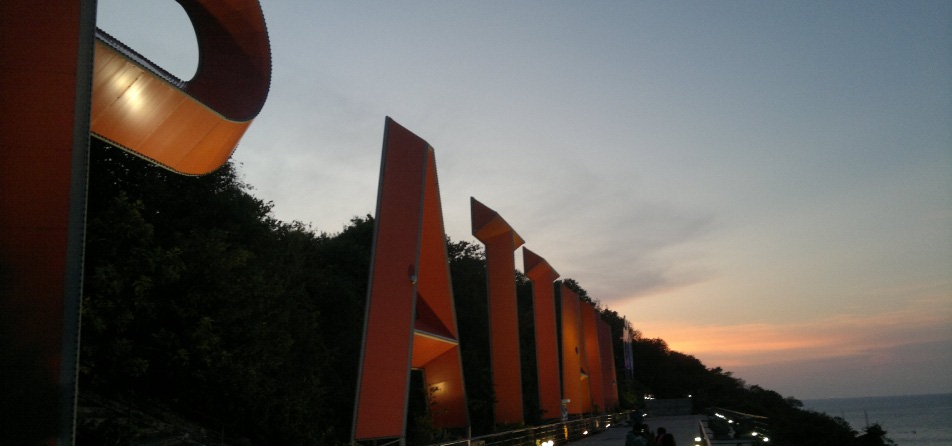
x=683 y=427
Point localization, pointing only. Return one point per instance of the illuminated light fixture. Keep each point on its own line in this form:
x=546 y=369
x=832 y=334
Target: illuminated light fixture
x=585 y=432
x=608 y=425
x=719 y=415
x=730 y=421
x=766 y=439
x=697 y=439
x=754 y=434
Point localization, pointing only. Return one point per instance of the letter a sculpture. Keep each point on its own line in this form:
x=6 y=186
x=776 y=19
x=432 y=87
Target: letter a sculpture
x=411 y=318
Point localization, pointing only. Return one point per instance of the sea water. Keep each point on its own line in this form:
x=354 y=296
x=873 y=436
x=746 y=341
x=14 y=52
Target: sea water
x=913 y=420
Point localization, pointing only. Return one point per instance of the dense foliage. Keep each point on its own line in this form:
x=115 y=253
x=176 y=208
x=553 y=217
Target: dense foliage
x=196 y=299
x=194 y=295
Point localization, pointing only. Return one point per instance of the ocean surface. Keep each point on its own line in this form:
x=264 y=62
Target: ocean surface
x=914 y=420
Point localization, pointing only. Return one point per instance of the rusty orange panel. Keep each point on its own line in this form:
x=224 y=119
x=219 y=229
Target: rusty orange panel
x=547 y=344
x=501 y=241
x=189 y=127
x=235 y=57
x=609 y=381
x=136 y=110
x=410 y=318
x=572 y=351
x=382 y=386
x=593 y=358
x=45 y=73
x=426 y=348
x=48 y=83
x=434 y=284
x=445 y=375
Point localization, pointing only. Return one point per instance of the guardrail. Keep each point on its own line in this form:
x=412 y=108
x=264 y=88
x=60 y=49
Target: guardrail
x=545 y=435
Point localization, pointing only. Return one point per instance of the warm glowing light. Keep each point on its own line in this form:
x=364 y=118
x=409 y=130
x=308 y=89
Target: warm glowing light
x=697 y=439
x=754 y=434
x=439 y=388
x=766 y=439
x=134 y=96
x=585 y=432
x=608 y=425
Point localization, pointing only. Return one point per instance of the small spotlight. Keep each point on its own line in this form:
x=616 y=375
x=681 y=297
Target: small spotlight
x=585 y=432
x=697 y=439
x=608 y=425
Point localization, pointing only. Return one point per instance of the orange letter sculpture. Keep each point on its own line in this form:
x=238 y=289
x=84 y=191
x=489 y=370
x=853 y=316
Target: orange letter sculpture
x=593 y=359
x=609 y=381
x=547 y=343
x=189 y=127
x=410 y=320
x=46 y=77
x=501 y=241
x=573 y=354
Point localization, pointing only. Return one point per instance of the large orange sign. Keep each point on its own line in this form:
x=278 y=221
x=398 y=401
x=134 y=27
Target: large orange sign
x=411 y=318
x=47 y=54
x=547 y=344
x=501 y=240
x=191 y=126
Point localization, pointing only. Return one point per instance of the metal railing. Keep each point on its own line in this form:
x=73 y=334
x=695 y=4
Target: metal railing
x=549 y=434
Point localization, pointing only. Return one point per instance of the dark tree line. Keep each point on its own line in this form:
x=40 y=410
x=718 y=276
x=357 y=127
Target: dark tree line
x=196 y=297
x=197 y=300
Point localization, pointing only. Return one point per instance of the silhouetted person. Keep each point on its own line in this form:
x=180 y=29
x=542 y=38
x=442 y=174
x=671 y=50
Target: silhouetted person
x=664 y=438
x=636 y=437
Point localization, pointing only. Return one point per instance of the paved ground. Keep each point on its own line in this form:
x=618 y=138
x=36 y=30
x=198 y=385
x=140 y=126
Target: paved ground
x=684 y=428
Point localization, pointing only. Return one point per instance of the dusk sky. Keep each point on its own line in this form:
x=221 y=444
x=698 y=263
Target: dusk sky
x=765 y=185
